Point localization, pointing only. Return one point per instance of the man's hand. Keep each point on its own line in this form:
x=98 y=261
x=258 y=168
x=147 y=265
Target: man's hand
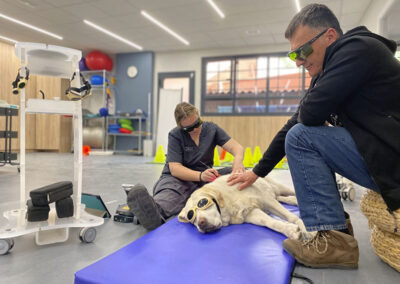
x=246 y=178
x=209 y=175
x=237 y=167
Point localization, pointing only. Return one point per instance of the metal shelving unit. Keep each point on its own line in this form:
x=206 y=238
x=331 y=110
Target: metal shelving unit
x=7 y=157
x=97 y=100
x=139 y=134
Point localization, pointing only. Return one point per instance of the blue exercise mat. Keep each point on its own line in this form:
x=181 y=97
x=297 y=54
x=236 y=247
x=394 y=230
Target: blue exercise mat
x=177 y=253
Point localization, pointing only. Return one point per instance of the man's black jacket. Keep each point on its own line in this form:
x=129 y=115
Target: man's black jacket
x=360 y=83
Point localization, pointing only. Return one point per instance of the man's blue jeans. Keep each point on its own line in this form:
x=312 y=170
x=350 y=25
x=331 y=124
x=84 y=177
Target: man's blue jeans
x=314 y=154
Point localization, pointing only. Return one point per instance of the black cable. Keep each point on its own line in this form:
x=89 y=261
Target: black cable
x=42 y=94
x=295 y=275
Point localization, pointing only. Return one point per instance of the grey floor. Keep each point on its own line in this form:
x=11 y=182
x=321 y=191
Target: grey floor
x=57 y=263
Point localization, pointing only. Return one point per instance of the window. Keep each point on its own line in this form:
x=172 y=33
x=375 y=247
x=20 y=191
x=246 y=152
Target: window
x=219 y=78
x=259 y=84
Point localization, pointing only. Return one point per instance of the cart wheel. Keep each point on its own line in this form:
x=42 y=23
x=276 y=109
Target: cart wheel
x=6 y=245
x=344 y=194
x=351 y=193
x=87 y=235
x=12 y=243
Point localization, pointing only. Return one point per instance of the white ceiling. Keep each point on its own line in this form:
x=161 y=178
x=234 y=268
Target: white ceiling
x=247 y=22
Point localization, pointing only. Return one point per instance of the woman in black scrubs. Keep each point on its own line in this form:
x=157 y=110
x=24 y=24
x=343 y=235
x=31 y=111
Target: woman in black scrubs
x=189 y=164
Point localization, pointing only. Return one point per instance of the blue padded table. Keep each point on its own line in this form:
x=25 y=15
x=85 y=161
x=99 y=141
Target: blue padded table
x=177 y=253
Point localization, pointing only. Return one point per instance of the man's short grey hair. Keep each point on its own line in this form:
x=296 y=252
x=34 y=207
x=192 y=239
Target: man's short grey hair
x=316 y=16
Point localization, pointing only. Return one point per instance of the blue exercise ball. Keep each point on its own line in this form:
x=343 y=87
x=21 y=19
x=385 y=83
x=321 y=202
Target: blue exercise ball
x=103 y=111
x=96 y=80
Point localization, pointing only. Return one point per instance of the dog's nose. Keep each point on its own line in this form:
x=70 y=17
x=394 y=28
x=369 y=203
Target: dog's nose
x=202 y=222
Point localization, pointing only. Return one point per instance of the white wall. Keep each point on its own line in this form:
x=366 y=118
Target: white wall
x=375 y=16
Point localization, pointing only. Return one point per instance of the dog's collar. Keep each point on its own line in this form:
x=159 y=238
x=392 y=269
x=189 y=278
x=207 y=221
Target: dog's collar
x=216 y=203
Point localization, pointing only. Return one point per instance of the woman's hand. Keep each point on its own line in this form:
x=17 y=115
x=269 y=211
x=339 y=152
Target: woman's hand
x=237 y=151
x=246 y=178
x=209 y=175
x=237 y=167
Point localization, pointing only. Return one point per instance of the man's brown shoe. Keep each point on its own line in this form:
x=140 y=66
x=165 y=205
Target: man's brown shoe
x=326 y=249
x=348 y=222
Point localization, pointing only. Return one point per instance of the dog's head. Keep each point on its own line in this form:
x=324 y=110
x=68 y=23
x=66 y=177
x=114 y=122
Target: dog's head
x=203 y=209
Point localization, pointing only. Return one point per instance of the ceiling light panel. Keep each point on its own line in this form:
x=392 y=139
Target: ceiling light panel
x=120 y=38
x=8 y=39
x=298 y=7
x=216 y=8
x=30 y=26
x=164 y=27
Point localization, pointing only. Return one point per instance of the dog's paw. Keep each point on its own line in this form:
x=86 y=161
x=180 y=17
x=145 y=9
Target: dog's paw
x=293 y=231
x=304 y=234
x=308 y=235
x=300 y=223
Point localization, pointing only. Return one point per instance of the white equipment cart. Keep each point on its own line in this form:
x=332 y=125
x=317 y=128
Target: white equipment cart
x=49 y=60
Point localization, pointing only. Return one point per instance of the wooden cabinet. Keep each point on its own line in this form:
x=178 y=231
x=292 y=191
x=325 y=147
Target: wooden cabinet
x=47 y=125
x=9 y=65
x=250 y=131
x=44 y=132
x=53 y=132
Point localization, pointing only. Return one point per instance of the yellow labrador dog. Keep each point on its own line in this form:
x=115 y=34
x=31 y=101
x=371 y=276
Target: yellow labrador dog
x=218 y=204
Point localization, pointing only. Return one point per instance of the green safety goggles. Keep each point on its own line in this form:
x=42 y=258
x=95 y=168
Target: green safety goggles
x=305 y=50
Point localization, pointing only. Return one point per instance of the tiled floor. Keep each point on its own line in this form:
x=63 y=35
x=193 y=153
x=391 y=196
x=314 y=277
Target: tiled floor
x=57 y=263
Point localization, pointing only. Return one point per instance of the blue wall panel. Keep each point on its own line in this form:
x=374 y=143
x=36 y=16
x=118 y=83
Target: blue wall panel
x=132 y=93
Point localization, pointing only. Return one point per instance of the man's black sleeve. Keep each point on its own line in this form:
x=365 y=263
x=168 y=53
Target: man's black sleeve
x=276 y=150
x=346 y=71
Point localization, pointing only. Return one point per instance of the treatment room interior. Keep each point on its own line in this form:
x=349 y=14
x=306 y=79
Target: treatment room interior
x=141 y=57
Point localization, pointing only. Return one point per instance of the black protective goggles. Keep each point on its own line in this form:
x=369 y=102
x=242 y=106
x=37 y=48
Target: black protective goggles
x=193 y=126
x=305 y=50
x=203 y=204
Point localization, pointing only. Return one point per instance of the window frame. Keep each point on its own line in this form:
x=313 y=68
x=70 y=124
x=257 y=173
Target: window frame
x=232 y=98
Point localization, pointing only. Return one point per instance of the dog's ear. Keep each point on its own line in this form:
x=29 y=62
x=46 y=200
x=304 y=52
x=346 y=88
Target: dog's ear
x=214 y=193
